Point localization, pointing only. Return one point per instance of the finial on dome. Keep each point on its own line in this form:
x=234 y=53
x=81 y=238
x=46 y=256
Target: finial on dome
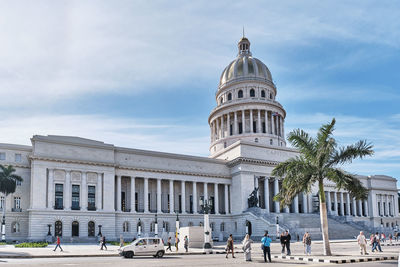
x=244 y=45
x=243 y=32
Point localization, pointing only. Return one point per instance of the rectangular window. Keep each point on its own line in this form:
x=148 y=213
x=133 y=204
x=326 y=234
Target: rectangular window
x=2 y=156
x=240 y=128
x=168 y=203
x=191 y=204
x=136 y=201
x=59 y=195
x=384 y=208
x=18 y=158
x=17 y=203
x=230 y=130
x=148 y=201
x=263 y=127
x=75 y=197
x=254 y=126
x=379 y=208
x=91 y=197
x=180 y=203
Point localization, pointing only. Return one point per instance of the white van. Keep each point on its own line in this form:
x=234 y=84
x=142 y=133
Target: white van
x=143 y=247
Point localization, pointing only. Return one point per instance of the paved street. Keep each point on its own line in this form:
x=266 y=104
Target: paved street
x=188 y=260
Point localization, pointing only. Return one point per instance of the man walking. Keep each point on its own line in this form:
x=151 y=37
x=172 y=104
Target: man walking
x=266 y=245
x=283 y=242
x=229 y=246
x=287 y=242
x=58 y=245
x=186 y=243
x=103 y=243
x=376 y=244
x=362 y=242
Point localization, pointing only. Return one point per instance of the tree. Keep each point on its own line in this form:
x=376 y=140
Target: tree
x=320 y=159
x=8 y=183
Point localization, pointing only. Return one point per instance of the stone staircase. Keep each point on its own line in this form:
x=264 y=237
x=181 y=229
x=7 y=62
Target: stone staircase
x=310 y=222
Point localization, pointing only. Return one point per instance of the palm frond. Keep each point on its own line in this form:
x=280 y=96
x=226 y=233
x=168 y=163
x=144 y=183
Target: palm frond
x=347 y=154
x=302 y=141
x=347 y=181
x=8 y=179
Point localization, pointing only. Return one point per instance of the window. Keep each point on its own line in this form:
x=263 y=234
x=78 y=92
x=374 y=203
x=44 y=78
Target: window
x=270 y=142
x=252 y=93
x=17 y=203
x=152 y=227
x=240 y=128
x=2 y=202
x=166 y=226
x=262 y=93
x=270 y=95
x=222 y=227
x=125 y=227
x=75 y=197
x=18 y=182
x=18 y=158
x=221 y=100
x=91 y=228
x=240 y=94
x=59 y=192
x=15 y=227
x=58 y=228
x=212 y=226
x=2 y=156
x=236 y=227
x=91 y=197
x=75 y=228
x=256 y=140
x=229 y=96
x=379 y=208
x=224 y=144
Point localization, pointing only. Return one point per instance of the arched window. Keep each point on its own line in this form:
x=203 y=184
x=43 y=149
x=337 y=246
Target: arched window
x=229 y=96
x=125 y=227
x=166 y=226
x=190 y=224
x=75 y=228
x=270 y=95
x=15 y=227
x=240 y=94
x=222 y=227
x=263 y=93
x=252 y=93
x=221 y=100
x=91 y=228
x=58 y=228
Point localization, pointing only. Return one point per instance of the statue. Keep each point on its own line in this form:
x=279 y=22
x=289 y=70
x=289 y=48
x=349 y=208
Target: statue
x=252 y=200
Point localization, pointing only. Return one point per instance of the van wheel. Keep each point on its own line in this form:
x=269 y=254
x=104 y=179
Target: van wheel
x=160 y=254
x=129 y=254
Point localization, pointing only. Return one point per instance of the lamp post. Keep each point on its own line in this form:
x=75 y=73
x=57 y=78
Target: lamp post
x=139 y=232
x=277 y=227
x=156 y=227
x=205 y=204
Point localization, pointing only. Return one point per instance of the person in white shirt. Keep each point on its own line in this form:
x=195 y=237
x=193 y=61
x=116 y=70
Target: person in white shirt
x=362 y=242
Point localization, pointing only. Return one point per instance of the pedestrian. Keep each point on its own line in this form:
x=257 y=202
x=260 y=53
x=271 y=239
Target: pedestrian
x=307 y=243
x=283 y=241
x=103 y=243
x=383 y=237
x=362 y=242
x=266 y=246
x=298 y=237
x=376 y=244
x=287 y=242
x=390 y=238
x=247 y=247
x=186 y=243
x=121 y=241
x=176 y=243
x=58 y=244
x=229 y=246
x=304 y=242
x=169 y=244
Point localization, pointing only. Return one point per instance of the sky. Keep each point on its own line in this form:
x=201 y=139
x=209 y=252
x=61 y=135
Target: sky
x=143 y=74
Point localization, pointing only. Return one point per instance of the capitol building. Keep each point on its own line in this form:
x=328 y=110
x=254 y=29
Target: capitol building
x=78 y=187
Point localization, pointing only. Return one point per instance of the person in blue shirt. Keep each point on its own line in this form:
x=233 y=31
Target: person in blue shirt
x=266 y=246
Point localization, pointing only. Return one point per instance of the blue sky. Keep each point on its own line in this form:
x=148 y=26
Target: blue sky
x=143 y=74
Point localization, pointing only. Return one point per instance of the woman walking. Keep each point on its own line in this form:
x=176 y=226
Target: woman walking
x=307 y=243
x=283 y=242
x=265 y=244
x=229 y=246
x=169 y=244
x=247 y=247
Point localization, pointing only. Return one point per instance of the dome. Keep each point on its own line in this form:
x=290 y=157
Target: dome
x=245 y=67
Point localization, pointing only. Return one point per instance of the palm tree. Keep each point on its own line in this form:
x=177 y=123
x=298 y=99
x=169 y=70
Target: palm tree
x=318 y=160
x=8 y=183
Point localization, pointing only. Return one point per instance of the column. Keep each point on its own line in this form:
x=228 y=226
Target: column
x=146 y=195
x=283 y=128
x=348 y=203
x=118 y=193
x=243 y=123
x=296 y=204
x=228 y=124
x=235 y=123
x=67 y=202
x=366 y=208
x=194 y=198
x=205 y=192
x=216 y=200
x=276 y=191
x=360 y=213
x=159 y=196
x=99 y=196
x=266 y=193
x=341 y=204
x=354 y=207
x=387 y=205
x=305 y=206
x=328 y=202
x=381 y=204
x=259 y=121
x=222 y=126
x=393 y=206
x=171 y=196
x=226 y=199
x=336 y=203
x=50 y=192
x=267 y=126
x=84 y=197
x=218 y=133
x=183 y=196
x=273 y=123
x=286 y=209
x=133 y=194
x=251 y=121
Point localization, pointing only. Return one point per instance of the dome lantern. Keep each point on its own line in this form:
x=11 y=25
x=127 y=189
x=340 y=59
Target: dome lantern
x=244 y=46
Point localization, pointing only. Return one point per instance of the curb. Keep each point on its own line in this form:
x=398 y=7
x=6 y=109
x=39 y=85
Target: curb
x=388 y=245
x=336 y=261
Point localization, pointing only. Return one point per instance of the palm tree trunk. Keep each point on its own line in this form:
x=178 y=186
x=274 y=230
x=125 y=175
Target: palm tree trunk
x=3 y=220
x=324 y=219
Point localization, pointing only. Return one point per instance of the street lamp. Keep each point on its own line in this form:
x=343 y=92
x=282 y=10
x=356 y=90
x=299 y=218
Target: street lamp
x=277 y=227
x=205 y=204
x=139 y=232
x=156 y=227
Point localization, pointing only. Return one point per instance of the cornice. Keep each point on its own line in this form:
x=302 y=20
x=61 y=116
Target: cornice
x=241 y=160
x=73 y=141
x=16 y=147
x=65 y=160
x=17 y=165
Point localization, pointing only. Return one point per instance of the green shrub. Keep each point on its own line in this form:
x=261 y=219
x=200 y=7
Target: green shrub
x=32 y=245
x=116 y=243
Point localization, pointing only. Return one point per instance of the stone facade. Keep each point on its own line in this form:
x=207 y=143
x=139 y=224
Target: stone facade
x=78 y=185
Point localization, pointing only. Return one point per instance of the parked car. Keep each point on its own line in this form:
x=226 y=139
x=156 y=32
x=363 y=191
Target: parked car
x=144 y=247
